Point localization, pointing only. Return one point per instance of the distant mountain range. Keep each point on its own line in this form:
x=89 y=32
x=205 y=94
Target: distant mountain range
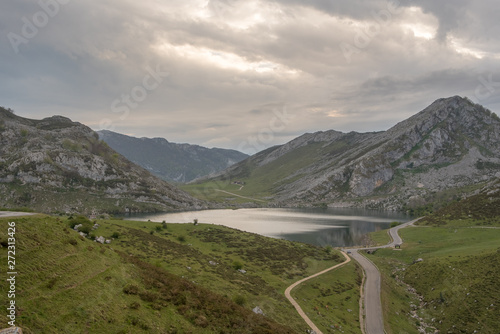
x=55 y=164
x=172 y=162
x=448 y=150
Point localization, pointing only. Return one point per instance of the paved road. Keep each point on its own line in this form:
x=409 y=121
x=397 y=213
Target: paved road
x=297 y=306
x=5 y=214
x=374 y=319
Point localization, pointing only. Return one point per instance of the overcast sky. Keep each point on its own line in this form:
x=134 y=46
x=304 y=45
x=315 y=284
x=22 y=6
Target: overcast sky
x=245 y=74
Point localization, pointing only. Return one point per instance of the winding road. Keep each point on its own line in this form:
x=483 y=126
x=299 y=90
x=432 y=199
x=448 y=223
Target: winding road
x=5 y=214
x=297 y=306
x=374 y=319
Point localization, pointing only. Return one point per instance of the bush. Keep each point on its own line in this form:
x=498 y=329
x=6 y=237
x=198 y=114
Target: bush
x=134 y=306
x=237 y=265
x=115 y=235
x=79 y=220
x=131 y=289
x=239 y=300
x=181 y=238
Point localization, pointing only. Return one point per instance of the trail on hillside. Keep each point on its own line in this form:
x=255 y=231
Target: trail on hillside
x=227 y=192
x=297 y=306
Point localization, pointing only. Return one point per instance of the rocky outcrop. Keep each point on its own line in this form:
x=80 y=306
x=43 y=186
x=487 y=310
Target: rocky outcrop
x=453 y=144
x=55 y=164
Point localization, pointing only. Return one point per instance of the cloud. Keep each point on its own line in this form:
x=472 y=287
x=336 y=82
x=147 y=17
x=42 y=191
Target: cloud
x=229 y=65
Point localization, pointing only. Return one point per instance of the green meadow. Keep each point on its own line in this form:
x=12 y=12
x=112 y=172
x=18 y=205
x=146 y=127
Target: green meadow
x=447 y=276
x=163 y=278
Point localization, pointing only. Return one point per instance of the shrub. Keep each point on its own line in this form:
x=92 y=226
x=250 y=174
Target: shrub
x=134 y=306
x=131 y=289
x=115 y=235
x=73 y=242
x=181 y=238
x=78 y=220
x=237 y=265
x=158 y=228
x=239 y=300
x=51 y=283
x=148 y=296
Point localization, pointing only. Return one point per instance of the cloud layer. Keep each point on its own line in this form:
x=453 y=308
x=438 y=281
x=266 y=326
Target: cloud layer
x=245 y=74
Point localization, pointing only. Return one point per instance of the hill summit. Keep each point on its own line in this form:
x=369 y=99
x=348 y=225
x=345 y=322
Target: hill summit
x=55 y=164
x=448 y=149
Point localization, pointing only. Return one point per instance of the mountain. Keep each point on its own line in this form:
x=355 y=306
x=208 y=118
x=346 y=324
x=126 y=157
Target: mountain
x=55 y=164
x=169 y=161
x=449 y=149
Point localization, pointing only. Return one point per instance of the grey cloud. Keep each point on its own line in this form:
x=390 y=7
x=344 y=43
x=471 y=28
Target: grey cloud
x=93 y=53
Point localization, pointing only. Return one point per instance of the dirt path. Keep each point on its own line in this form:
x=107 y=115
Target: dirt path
x=297 y=306
x=227 y=192
x=5 y=214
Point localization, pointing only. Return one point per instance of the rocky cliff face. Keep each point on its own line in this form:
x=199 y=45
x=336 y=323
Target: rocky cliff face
x=169 y=161
x=55 y=164
x=450 y=148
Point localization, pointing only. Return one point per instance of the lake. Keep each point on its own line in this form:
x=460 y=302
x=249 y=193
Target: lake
x=335 y=227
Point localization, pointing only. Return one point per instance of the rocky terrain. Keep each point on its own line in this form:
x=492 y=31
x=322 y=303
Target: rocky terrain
x=444 y=152
x=170 y=161
x=55 y=164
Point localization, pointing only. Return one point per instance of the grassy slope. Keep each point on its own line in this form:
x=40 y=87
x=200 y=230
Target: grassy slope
x=331 y=300
x=155 y=283
x=458 y=279
x=262 y=181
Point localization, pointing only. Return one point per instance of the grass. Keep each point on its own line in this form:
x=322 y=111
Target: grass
x=260 y=182
x=331 y=300
x=379 y=238
x=457 y=280
x=147 y=282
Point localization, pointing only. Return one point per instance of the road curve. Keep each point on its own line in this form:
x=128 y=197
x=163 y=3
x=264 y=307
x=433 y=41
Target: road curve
x=5 y=214
x=374 y=318
x=297 y=306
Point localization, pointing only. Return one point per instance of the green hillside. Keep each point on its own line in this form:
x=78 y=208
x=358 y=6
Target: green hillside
x=446 y=275
x=155 y=278
x=448 y=150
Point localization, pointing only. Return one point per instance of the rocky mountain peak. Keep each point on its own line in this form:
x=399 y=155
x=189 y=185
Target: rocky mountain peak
x=55 y=164
x=452 y=144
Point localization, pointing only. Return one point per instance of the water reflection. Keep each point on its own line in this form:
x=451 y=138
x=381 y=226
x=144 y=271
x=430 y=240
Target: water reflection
x=335 y=227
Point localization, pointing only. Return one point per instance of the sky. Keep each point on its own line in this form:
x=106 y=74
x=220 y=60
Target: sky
x=245 y=74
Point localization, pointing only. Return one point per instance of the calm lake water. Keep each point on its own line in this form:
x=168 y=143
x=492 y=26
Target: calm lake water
x=335 y=227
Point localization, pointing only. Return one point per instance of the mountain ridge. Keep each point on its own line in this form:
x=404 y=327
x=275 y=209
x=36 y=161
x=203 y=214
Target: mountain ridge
x=451 y=144
x=55 y=164
x=171 y=161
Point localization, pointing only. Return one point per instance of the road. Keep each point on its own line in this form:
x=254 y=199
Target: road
x=374 y=319
x=5 y=214
x=233 y=194
x=297 y=306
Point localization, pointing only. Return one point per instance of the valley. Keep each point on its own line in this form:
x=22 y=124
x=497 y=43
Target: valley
x=187 y=275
